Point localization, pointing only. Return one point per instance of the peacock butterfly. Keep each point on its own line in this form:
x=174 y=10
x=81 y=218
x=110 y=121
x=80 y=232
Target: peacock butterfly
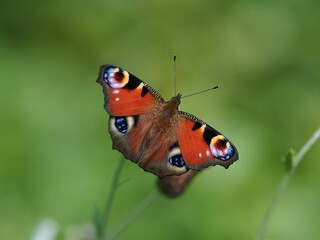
x=157 y=136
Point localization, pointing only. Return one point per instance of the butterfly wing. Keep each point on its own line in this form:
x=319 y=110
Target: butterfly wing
x=201 y=145
x=125 y=94
x=127 y=100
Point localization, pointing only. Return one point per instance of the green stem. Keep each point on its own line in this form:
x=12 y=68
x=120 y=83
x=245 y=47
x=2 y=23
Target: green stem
x=266 y=219
x=284 y=182
x=109 y=201
x=305 y=148
x=134 y=214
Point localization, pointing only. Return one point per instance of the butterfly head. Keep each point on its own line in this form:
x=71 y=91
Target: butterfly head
x=170 y=109
x=175 y=101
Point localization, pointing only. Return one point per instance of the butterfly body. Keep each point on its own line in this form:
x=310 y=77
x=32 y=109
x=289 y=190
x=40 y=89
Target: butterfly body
x=153 y=133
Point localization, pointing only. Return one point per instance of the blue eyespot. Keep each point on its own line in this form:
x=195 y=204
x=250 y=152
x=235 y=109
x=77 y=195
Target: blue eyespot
x=121 y=124
x=107 y=73
x=229 y=154
x=177 y=160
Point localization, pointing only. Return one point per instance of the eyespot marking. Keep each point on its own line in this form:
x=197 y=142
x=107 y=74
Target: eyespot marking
x=177 y=160
x=175 y=157
x=121 y=124
x=116 y=77
x=221 y=148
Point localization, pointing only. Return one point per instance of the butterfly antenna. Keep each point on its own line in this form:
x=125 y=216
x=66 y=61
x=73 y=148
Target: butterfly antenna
x=174 y=75
x=209 y=89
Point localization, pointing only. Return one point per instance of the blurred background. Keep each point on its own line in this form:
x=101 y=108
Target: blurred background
x=56 y=156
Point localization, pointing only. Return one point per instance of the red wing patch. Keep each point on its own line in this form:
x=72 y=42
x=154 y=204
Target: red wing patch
x=202 y=146
x=124 y=102
x=125 y=94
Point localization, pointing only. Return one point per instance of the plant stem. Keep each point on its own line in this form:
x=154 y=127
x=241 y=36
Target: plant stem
x=305 y=148
x=134 y=214
x=284 y=182
x=266 y=219
x=108 y=204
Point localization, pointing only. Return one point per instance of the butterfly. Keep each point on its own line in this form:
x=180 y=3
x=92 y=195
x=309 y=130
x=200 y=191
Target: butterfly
x=154 y=134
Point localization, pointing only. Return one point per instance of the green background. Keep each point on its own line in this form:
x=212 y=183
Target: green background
x=56 y=155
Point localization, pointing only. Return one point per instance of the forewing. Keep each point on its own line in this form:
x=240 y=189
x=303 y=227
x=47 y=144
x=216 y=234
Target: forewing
x=125 y=94
x=203 y=146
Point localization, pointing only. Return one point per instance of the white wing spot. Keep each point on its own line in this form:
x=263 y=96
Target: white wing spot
x=208 y=153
